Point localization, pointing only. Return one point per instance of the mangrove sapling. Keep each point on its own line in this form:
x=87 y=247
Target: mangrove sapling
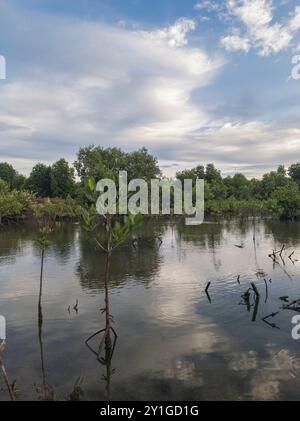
x=46 y=225
x=117 y=232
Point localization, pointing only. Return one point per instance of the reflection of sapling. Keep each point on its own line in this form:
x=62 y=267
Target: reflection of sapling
x=296 y=68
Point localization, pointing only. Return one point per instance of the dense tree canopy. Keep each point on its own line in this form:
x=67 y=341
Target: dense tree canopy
x=97 y=162
x=62 y=179
x=276 y=192
x=39 y=181
x=294 y=173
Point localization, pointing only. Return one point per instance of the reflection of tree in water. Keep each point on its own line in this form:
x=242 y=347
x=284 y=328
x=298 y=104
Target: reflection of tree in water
x=204 y=236
x=283 y=232
x=62 y=241
x=13 y=241
x=140 y=261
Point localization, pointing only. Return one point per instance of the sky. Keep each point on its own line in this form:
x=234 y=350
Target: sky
x=193 y=81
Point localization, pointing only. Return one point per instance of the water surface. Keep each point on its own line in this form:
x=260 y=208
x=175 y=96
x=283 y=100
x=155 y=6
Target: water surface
x=173 y=342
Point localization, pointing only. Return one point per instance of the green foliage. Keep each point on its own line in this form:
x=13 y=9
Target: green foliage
x=7 y=173
x=117 y=230
x=39 y=180
x=193 y=174
x=288 y=201
x=238 y=187
x=294 y=173
x=10 y=206
x=62 y=179
x=276 y=193
x=14 y=204
x=121 y=231
x=100 y=163
x=141 y=164
x=4 y=187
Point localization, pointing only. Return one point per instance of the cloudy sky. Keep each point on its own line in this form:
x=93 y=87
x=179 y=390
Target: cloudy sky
x=194 y=82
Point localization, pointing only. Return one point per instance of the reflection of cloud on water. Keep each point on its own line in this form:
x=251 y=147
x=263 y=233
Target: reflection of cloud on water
x=203 y=367
x=174 y=302
x=244 y=361
x=267 y=377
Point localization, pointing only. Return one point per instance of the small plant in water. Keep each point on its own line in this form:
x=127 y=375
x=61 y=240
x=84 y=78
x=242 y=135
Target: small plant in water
x=46 y=223
x=116 y=232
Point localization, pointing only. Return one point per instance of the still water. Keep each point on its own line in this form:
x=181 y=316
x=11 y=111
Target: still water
x=173 y=342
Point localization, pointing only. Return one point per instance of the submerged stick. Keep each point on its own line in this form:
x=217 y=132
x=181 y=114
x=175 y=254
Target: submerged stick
x=255 y=289
x=267 y=291
x=281 y=251
x=207 y=293
x=207 y=287
x=255 y=308
x=291 y=255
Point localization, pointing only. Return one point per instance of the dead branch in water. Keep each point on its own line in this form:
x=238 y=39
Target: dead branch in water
x=207 y=287
x=255 y=311
x=207 y=293
x=255 y=289
x=267 y=291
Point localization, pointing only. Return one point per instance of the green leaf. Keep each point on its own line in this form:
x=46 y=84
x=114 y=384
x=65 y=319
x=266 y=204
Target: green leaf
x=92 y=183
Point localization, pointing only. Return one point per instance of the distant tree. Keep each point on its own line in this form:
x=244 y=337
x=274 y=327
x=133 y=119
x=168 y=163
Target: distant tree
x=238 y=187
x=94 y=161
x=281 y=170
x=141 y=164
x=271 y=182
x=62 y=179
x=4 y=187
x=288 y=200
x=19 y=182
x=97 y=162
x=7 y=173
x=218 y=189
x=294 y=173
x=193 y=174
x=39 y=180
x=212 y=174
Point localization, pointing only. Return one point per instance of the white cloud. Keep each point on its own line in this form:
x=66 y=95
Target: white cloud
x=84 y=83
x=209 y=5
x=175 y=35
x=263 y=34
x=295 y=21
x=236 y=43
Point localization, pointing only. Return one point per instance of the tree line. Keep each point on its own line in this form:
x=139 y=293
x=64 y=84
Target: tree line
x=277 y=192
